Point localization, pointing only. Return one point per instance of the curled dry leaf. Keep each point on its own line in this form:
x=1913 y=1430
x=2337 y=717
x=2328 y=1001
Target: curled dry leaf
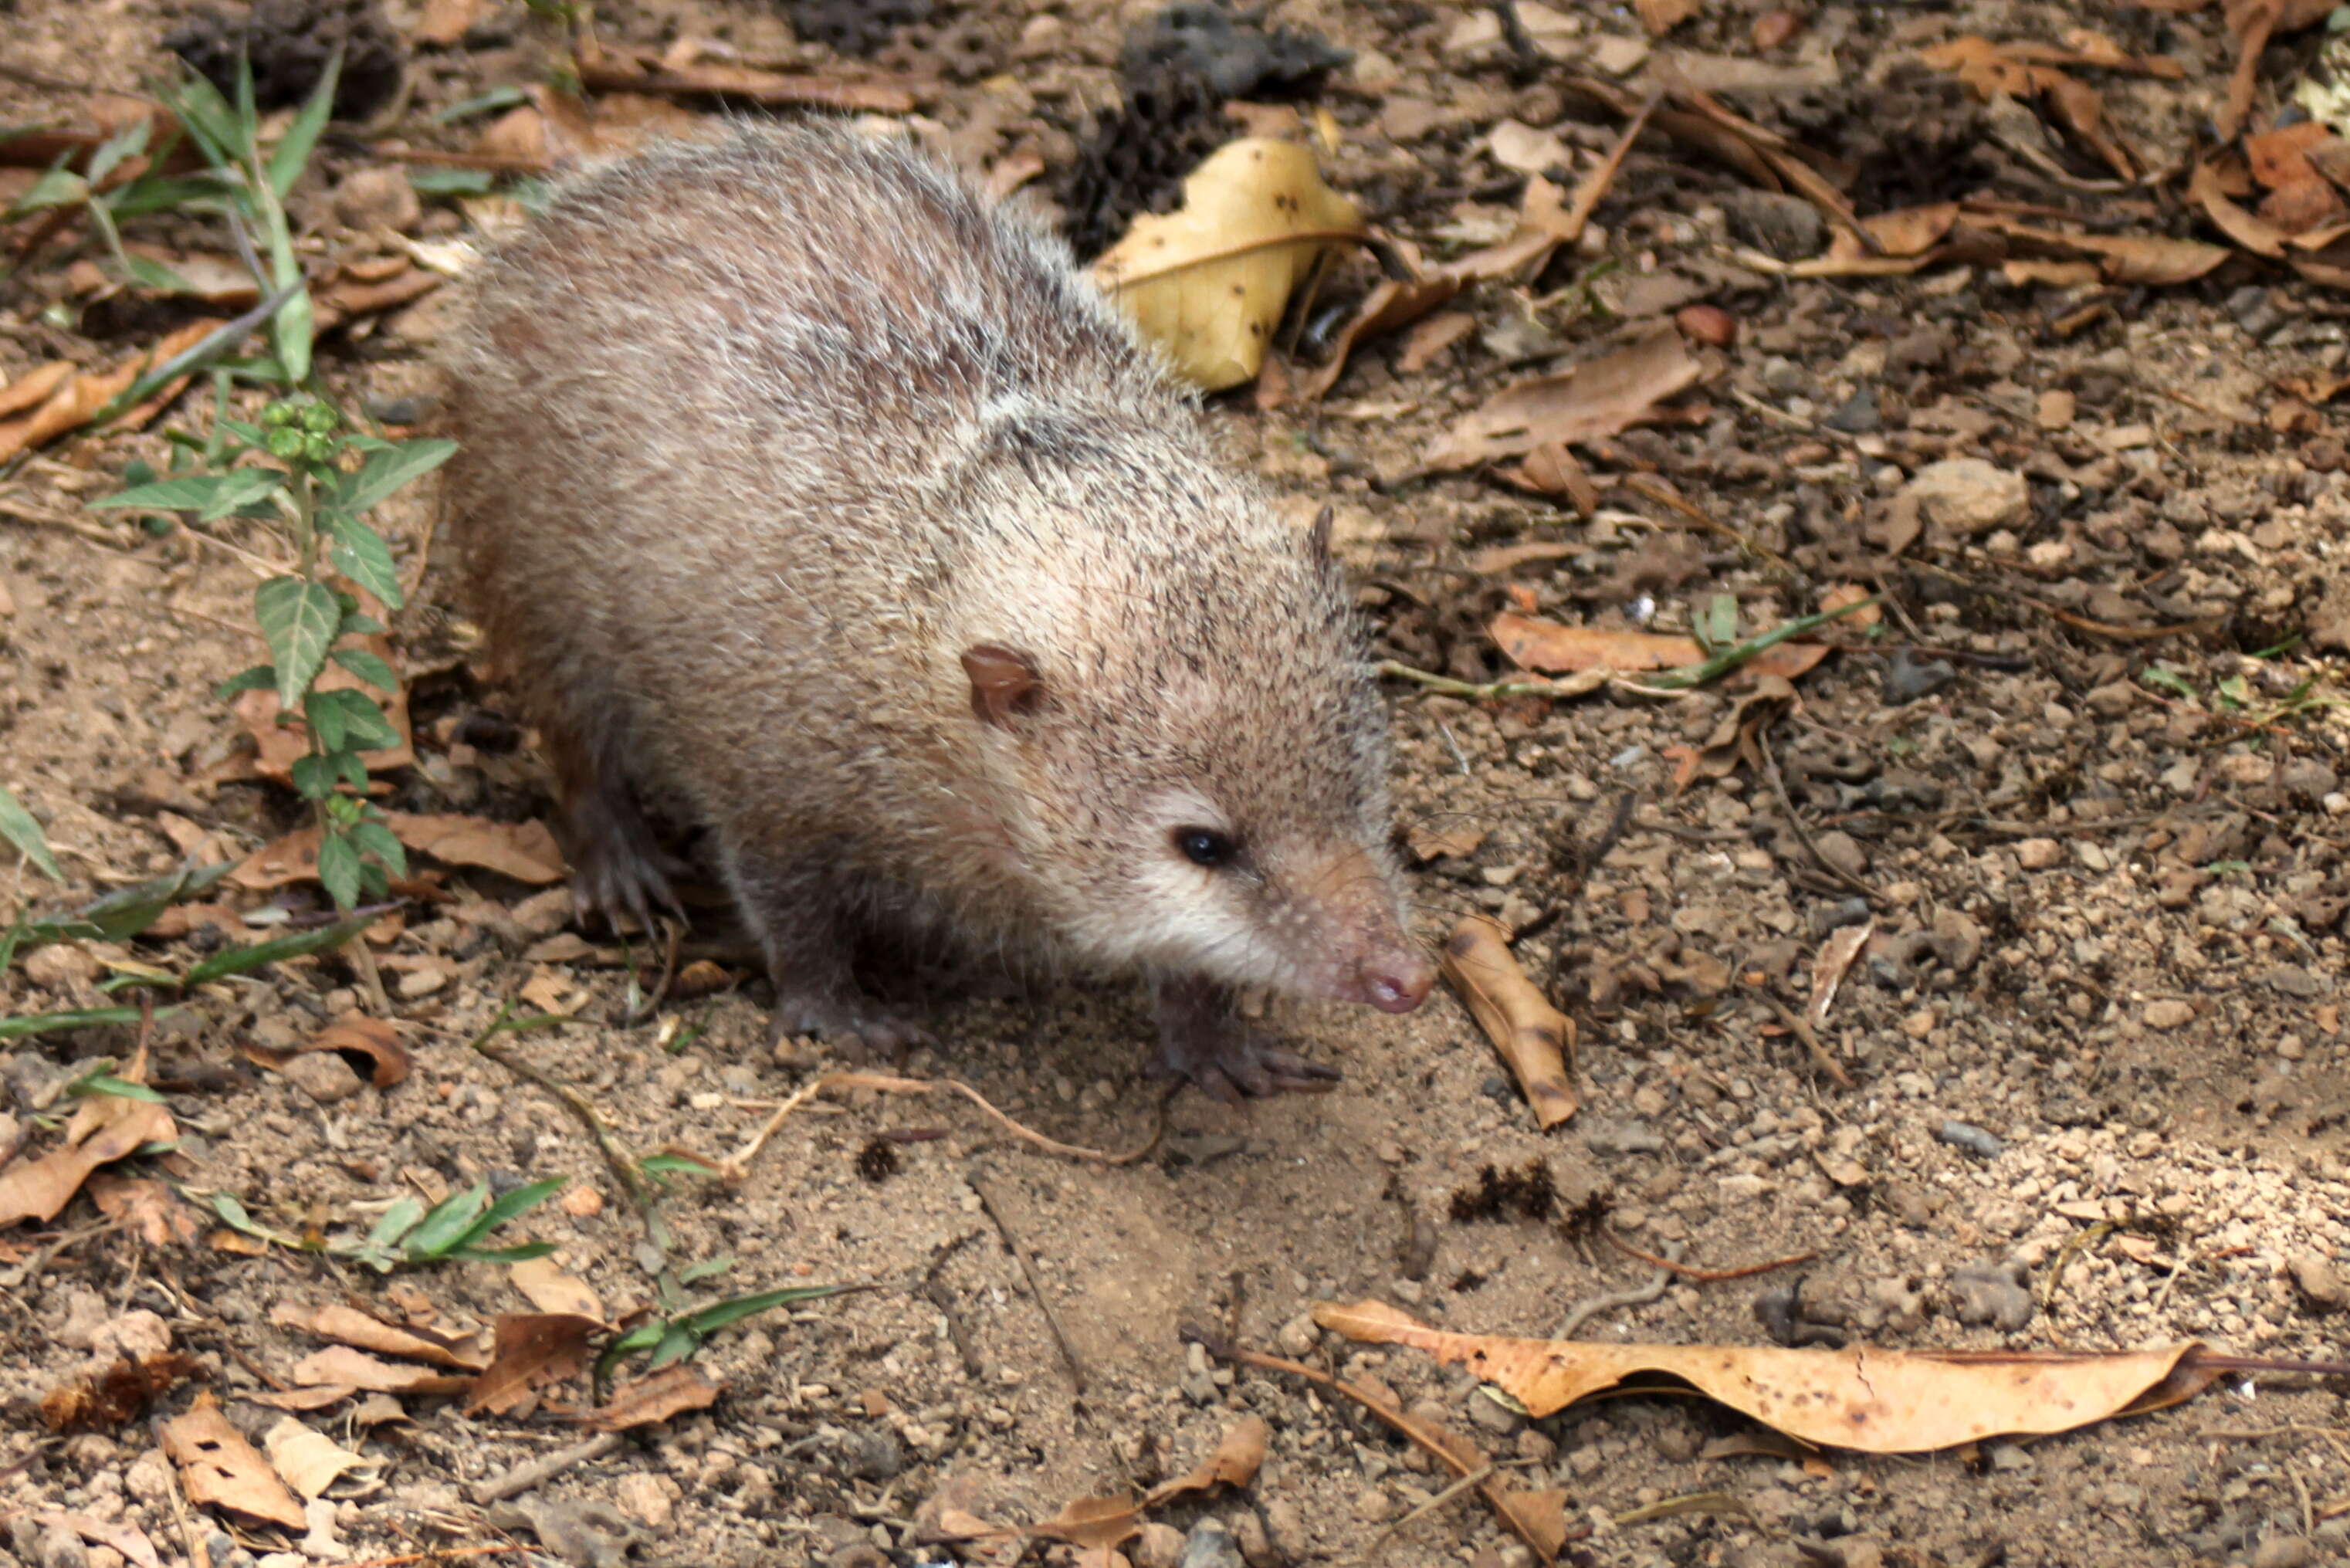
x=1094 y=1523
x=1877 y=1401
x=525 y=851
x=655 y=1397
x=1207 y=283
x=1828 y=971
x=1602 y=397
x=2120 y=258
x=120 y=1534
x=1736 y=737
x=1238 y=1457
x=682 y=74
x=310 y=1460
x=2206 y=189
x=371 y=1040
x=114 y=1397
x=103 y=1129
x=159 y=1215
x=218 y=1469
x=341 y=1367
x=72 y=400
x=1549 y=648
x=1534 y=1037
x=535 y=1351
x=347 y=1325
x=542 y=1282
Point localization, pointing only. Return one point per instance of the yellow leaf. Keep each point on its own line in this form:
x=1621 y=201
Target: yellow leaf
x=1207 y=284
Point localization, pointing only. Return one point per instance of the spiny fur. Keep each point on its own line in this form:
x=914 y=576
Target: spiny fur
x=758 y=437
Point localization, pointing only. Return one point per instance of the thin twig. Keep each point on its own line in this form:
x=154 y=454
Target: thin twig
x=616 y=1156
x=737 y=1166
x=1703 y=1276
x=537 y=1471
x=1795 y=824
x=1802 y=1026
x=976 y=1175
x=1583 y=1311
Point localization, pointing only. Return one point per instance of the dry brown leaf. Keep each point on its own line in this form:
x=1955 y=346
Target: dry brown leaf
x=1661 y=16
x=1548 y=648
x=103 y=1129
x=1602 y=397
x=544 y=1283
x=1534 y=1037
x=315 y=1398
x=347 y=1325
x=1094 y=1522
x=76 y=400
x=1846 y=593
x=120 y=1535
x=372 y=1041
x=310 y=1461
x=1552 y=470
x=535 y=1351
x=2053 y=274
x=1903 y=231
x=1207 y=284
x=525 y=851
x=34 y=387
x=2253 y=232
x=2123 y=258
x=655 y=1397
x=340 y=1366
x=1828 y=970
x=1876 y=1401
x=1433 y=336
x=219 y=1469
x=1428 y=843
x=117 y=1395
x=158 y=1215
x=1238 y=1457
x=1735 y=739
x=445 y=21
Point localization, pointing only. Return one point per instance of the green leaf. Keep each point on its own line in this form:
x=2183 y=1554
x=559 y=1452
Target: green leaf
x=495 y=98
x=360 y=554
x=339 y=869
x=385 y=471
x=373 y=838
x=324 y=717
x=298 y=618
x=130 y=911
x=200 y=106
x=361 y=719
x=673 y=1164
x=185 y=494
x=677 y=1343
x=396 y=1223
x=513 y=1205
x=108 y=1084
x=55 y=188
x=452 y=181
x=446 y=1226
x=2169 y=681
x=51 y=1022
x=154 y=193
x=260 y=678
x=369 y=667
x=128 y=142
x=518 y=1254
x=240 y=487
x=314 y=776
x=18 y=827
x=244 y=961
x=234 y=1215
x=711 y=1319
x=294 y=150
x=149 y=273
x=708 y=1268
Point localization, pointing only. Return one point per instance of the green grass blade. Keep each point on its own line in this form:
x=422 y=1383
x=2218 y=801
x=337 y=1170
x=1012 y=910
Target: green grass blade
x=18 y=827
x=244 y=961
x=294 y=151
x=51 y=1022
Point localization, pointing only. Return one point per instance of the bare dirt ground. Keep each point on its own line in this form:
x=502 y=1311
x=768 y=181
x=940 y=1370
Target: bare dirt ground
x=2099 y=1075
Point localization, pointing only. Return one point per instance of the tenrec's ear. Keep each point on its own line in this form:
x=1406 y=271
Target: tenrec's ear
x=1317 y=539
x=1004 y=683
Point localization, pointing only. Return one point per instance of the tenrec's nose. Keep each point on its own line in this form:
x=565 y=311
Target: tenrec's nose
x=1396 y=983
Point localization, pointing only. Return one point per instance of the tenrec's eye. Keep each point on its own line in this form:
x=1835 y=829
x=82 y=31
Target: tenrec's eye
x=1206 y=846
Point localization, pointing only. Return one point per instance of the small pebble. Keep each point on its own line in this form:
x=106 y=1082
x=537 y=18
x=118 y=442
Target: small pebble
x=1973 y=1140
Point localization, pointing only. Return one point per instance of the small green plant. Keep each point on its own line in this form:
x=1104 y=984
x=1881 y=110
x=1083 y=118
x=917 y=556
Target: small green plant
x=456 y=1231
x=679 y=1333
x=302 y=468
